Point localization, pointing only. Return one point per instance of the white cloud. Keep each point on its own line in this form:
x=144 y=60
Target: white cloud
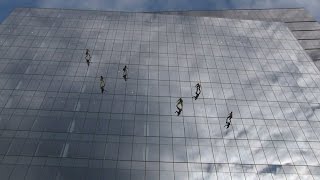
x=312 y=6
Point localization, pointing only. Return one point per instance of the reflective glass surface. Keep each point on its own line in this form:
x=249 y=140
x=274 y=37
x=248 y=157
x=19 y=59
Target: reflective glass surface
x=56 y=124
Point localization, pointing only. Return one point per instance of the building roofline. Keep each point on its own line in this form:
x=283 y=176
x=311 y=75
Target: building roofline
x=159 y=11
x=228 y=9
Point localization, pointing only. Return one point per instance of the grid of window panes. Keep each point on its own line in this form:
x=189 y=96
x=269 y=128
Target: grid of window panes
x=56 y=124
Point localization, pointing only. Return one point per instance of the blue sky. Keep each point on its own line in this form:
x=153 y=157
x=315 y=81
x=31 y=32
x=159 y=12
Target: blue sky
x=6 y=6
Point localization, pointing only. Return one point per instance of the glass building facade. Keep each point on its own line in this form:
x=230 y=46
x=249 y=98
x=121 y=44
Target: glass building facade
x=56 y=124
